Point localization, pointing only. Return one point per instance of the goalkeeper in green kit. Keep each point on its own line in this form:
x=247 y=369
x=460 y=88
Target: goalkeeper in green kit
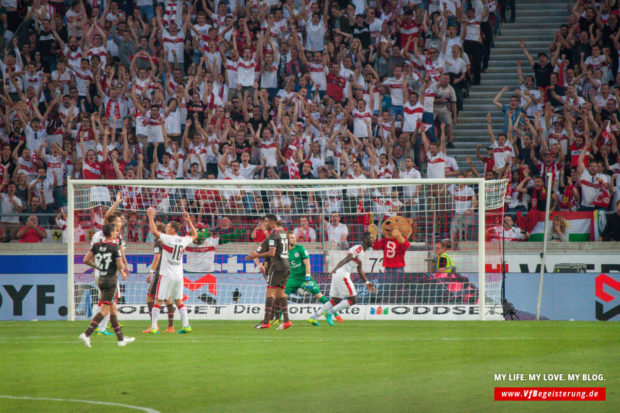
x=300 y=274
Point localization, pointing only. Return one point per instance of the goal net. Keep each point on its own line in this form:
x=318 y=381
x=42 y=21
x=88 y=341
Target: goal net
x=328 y=217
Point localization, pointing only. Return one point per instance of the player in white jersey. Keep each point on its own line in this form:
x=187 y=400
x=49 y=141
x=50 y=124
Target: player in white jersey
x=342 y=291
x=153 y=280
x=170 y=283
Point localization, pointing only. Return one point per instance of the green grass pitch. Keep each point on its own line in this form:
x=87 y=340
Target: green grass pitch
x=352 y=367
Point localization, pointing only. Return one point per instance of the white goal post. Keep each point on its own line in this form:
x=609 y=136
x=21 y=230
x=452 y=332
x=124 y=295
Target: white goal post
x=438 y=209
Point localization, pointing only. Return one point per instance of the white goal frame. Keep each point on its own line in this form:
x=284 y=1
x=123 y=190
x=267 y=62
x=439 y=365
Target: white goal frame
x=71 y=183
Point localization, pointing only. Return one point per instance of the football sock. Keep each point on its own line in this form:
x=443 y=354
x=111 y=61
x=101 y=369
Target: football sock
x=155 y=316
x=277 y=310
x=104 y=323
x=170 y=308
x=284 y=308
x=268 y=309
x=326 y=307
x=150 y=305
x=93 y=324
x=323 y=300
x=116 y=327
x=183 y=312
x=341 y=306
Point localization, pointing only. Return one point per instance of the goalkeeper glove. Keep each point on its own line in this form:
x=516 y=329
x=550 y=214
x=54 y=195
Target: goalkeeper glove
x=307 y=285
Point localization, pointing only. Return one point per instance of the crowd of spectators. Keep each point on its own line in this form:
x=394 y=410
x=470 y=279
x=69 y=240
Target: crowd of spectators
x=202 y=89
x=563 y=120
x=293 y=89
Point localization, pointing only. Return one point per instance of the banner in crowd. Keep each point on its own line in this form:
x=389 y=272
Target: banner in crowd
x=580 y=226
x=600 y=221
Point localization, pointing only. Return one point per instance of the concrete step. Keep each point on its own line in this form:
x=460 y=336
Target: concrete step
x=498 y=75
x=530 y=41
x=473 y=122
x=514 y=52
x=536 y=23
x=473 y=128
x=538 y=18
x=512 y=42
x=555 y=7
x=470 y=115
x=525 y=10
x=470 y=118
x=541 y=27
x=473 y=132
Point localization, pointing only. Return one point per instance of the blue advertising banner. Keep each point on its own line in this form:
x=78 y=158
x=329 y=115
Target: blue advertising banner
x=33 y=296
x=581 y=296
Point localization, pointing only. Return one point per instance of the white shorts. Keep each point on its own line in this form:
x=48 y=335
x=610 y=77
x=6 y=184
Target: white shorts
x=169 y=287
x=342 y=286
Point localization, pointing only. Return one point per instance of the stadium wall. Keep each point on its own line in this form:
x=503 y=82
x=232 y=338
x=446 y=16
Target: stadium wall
x=570 y=296
x=33 y=285
x=42 y=296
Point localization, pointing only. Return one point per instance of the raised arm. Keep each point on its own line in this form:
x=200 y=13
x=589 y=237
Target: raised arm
x=119 y=199
x=519 y=72
x=192 y=229
x=151 y=214
x=526 y=52
x=496 y=99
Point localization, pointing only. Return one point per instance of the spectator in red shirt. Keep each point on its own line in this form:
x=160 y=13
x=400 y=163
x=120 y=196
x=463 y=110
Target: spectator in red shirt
x=488 y=161
x=259 y=233
x=335 y=83
x=113 y=166
x=408 y=28
x=31 y=232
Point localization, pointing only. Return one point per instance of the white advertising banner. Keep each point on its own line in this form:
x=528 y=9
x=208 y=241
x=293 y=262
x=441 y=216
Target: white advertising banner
x=302 y=312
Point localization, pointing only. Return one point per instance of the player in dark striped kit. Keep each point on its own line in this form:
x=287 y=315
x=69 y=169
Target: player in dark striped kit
x=275 y=251
x=105 y=256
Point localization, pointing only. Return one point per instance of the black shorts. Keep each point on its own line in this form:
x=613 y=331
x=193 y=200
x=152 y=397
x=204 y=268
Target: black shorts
x=277 y=276
x=152 y=291
x=108 y=287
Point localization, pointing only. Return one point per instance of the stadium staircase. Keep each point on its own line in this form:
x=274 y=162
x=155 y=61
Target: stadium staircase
x=536 y=23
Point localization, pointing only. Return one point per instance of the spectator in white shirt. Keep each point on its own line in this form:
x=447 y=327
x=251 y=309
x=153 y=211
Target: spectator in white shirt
x=465 y=203
x=362 y=119
x=10 y=205
x=316 y=27
x=43 y=187
x=508 y=232
x=336 y=231
x=435 y=156
x=502 y=149
x=35 y=135
x=304 y=232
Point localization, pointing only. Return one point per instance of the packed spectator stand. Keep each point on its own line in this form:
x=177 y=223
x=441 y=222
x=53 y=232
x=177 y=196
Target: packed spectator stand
x=292 y=90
